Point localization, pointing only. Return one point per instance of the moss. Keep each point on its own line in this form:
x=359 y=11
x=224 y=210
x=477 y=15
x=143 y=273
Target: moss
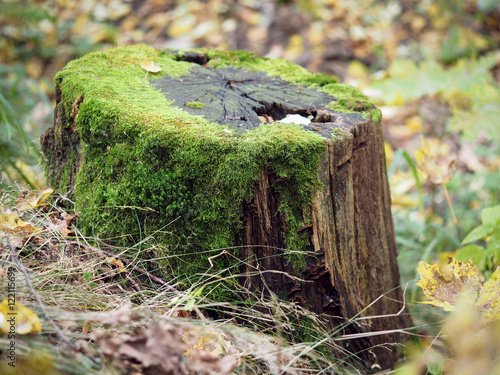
x=151 y=170
x=376 y=115
x=195 y=105
x=349 y=98
x=286 y=70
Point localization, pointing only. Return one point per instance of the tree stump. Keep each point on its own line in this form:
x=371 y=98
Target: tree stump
x=281 y=167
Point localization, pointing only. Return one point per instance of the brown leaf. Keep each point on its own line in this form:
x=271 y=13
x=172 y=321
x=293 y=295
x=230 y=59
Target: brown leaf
x=118 y=263
x=61 y=226
x=489 y=297
x=159 y=346
x=159 y=349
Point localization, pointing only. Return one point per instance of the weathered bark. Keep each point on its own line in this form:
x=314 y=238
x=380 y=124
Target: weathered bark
x=99 y=146
x=353 y=262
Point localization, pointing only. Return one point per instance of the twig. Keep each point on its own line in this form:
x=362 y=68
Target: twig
x=37 y=298
x=144 y=272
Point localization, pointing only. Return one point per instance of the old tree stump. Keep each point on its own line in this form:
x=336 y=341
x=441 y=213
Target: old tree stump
x=193 y=158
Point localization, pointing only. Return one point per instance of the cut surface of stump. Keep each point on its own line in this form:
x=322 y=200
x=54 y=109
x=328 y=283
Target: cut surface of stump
x=282 y=168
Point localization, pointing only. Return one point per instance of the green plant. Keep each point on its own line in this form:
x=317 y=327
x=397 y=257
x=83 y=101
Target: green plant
x=485 y=253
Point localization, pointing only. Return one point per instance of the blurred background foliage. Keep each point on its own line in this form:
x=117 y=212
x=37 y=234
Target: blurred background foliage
x=433 y=67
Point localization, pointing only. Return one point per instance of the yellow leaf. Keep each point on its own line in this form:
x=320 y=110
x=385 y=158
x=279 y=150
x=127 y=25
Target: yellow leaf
x=459 y=281
x=357 y=70
x=16 y=318
x=34 y=68
x=295 y=47
x=357 y=74
x=402 y=184
x=418 y=23
x=389 y=153
x=403 y=201
x=435 y=160
x=444 y=258
x=23 y=171
x=472 y=344
x=414 y=123
x=489 y=297
x=37 y=360
x=150 y=66
x=205 y=339
x=446 y=286
x=87 y=325
x=11 y=223
x=182 y=26
x=37 y=201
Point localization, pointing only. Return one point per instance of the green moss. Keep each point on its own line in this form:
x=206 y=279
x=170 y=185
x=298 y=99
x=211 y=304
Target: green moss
x=151 y=170
x=195 y=105
x=286 y=70
x=349 y=98
x=376 y=115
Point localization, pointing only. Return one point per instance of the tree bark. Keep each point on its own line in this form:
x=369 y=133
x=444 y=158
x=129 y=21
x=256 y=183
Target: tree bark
x=352 y=270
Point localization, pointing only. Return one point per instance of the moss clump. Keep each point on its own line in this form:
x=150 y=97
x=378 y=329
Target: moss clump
x=195 y=105
x=376 y=115
x=149 y=169
x=350 y=99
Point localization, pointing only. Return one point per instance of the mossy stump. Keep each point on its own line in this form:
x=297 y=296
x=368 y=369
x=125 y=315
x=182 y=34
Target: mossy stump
x=195 y=158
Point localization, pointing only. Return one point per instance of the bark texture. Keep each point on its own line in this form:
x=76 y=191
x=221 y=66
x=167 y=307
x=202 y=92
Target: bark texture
x=352 y=269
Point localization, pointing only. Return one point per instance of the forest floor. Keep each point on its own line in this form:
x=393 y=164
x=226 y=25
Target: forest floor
x=432 y=67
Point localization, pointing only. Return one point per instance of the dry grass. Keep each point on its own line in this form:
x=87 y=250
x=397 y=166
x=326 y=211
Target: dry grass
x=106 y=303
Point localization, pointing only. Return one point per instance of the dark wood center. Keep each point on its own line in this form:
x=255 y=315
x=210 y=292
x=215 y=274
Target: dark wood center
x=237 y=97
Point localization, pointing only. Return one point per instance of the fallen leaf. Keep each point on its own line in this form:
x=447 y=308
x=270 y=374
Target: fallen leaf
x=149 y=66
x=118 y=263
x=489 y=297
x=11 y=223
x=470 y=342
x=458 y=281
x=158 y=347
x=86 y=327
x=23 y=318
x=446 y=286
x=120 y=316
x=207 y=340
x=37 y=201
x=62 y=226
